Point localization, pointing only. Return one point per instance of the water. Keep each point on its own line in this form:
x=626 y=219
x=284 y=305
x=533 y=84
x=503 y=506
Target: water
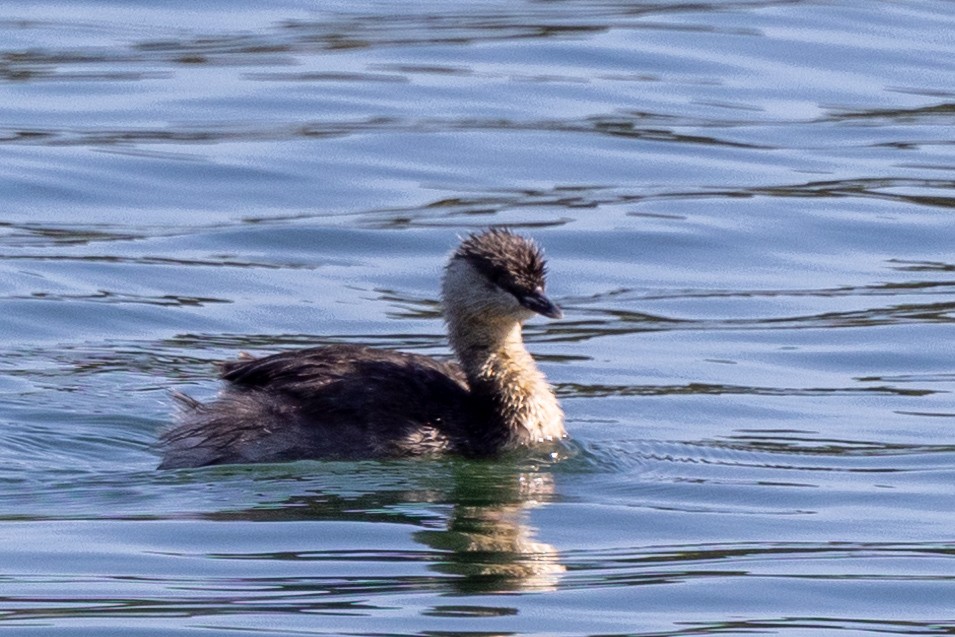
x=748 y=209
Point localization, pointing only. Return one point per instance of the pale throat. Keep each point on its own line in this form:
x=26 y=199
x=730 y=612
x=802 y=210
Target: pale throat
x=503 y=366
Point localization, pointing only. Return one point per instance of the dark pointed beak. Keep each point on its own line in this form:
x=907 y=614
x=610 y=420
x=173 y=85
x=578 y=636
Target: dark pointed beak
x=537 y=302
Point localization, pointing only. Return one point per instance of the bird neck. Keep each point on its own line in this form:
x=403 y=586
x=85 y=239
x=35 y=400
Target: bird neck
x=503 y=374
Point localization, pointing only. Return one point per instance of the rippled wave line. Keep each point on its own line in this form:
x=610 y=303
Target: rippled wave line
x=603 y=125
x=575 y=390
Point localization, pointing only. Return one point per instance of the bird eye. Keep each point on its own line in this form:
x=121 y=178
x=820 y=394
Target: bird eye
x=498 y=280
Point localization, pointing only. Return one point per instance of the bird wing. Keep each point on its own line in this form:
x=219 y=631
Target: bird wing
x=354 y=382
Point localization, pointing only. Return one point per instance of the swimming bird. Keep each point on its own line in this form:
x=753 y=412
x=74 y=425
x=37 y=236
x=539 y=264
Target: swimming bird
x=355 y=402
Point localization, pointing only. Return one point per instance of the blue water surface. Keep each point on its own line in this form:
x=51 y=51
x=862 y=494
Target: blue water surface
x=748 y=212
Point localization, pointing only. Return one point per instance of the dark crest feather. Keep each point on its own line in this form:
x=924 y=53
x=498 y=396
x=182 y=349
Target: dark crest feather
x=510 y=261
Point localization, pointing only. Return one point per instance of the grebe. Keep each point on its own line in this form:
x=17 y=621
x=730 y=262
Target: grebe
x=353 y=402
